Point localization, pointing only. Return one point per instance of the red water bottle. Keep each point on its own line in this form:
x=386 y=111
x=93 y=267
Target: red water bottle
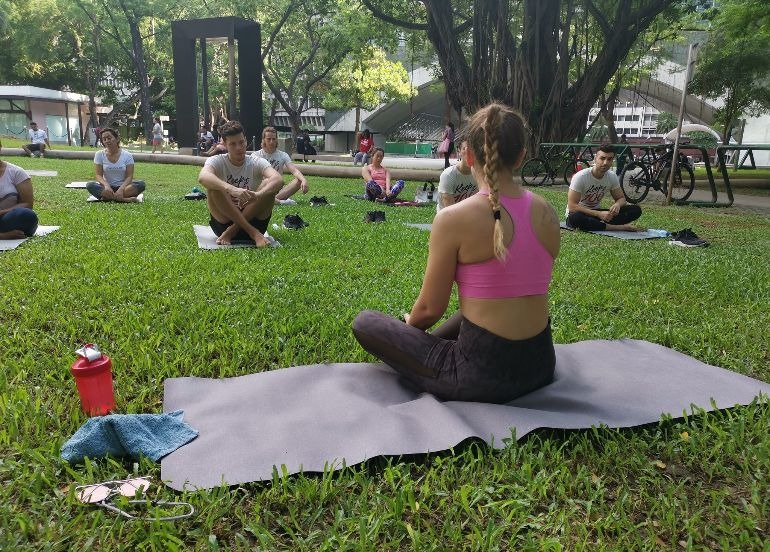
x=93 y=377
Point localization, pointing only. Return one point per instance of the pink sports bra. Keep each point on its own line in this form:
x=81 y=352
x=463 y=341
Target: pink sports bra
x=378 y=175
x=526 y=270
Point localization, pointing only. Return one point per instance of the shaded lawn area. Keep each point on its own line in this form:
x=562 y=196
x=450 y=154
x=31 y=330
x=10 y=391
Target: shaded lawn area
x=131 y=279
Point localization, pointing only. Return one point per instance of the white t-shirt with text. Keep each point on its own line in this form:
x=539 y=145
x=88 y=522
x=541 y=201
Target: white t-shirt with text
x=249 y=175
x=592 y=189
x=456 y=184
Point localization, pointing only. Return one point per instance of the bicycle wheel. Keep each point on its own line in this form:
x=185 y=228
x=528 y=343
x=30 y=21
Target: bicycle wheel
x=534 y=172
x=635 y=182
x=570 y=168
x=684 y=182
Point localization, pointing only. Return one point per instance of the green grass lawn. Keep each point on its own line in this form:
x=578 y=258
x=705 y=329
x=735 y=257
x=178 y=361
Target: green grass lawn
x=131 y=279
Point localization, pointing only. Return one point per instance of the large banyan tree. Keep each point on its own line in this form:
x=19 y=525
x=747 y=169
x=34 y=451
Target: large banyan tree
x=551 y=59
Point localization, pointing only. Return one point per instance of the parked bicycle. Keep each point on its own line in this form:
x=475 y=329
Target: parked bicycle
x=538 y=171
x=653 y=171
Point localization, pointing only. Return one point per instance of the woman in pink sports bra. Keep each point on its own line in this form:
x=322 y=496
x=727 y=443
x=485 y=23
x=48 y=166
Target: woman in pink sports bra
x=377 y=179
x=499 y=246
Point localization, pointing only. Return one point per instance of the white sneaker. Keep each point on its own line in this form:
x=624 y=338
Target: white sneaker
x=287 y=202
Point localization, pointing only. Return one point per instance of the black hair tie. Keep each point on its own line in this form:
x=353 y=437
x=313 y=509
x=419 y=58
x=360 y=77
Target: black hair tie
x=496 y=214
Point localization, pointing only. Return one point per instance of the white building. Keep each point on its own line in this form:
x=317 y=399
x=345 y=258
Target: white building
x=63 y=115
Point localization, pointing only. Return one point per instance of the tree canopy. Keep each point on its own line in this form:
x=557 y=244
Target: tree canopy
x=734 y=63
x=539 y=56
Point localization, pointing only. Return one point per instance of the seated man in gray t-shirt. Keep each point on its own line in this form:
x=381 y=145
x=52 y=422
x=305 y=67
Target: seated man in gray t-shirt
x=585 y=196
x=241 y=190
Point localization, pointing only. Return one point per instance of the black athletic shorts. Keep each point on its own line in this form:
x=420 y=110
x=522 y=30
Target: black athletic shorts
x=219 y=228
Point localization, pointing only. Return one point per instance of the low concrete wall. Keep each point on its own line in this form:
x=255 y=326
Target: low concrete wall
x=310 y=169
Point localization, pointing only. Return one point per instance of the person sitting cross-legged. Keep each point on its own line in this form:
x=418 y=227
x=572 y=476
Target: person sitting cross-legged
x=456 y=182
x=17 y=219
x=499 y=246
x=585 y=196
x=114 y=169
x=241 y=190
x=377 y=179
x=279 y=160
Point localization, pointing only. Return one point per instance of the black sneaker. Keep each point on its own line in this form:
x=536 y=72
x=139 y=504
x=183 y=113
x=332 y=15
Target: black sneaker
x=687 y=238
x=374 y=216
x=294 y=222
x=316 y=201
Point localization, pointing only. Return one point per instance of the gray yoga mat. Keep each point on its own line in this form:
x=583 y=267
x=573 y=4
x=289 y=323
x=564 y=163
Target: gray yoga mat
x=308 y=418
x=650 y=234
x=78 y=185
x=207 y=239
x=7 y=245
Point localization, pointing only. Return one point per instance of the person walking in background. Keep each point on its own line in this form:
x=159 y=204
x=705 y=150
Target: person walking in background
x=447 y=146
x=157 y=135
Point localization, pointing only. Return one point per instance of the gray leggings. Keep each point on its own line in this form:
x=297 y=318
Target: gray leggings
x=460 y=361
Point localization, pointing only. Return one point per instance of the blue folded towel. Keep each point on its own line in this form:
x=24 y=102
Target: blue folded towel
x=151 y=435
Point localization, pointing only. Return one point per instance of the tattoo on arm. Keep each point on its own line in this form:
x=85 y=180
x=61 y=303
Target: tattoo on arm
x=550 y=215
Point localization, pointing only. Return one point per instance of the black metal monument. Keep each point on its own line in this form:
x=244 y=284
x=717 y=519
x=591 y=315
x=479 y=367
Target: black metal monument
x=183 y=36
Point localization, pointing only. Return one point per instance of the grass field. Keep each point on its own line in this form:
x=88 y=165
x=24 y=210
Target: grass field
x=131 y=279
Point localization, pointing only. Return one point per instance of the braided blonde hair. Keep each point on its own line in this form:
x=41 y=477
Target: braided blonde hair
x=496 y=134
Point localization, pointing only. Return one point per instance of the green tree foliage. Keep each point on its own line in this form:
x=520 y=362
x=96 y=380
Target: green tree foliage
x=303 y=41
x=140 y=33
x=666 y=122
x=703 y=139
x=539 y=56
x=734 y=63
x=366 y=80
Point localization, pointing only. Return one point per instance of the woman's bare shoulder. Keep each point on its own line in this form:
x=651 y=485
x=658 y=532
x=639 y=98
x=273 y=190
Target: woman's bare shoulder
x=543 y=211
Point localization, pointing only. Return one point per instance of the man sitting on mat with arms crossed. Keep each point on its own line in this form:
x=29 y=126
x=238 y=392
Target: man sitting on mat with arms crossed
x=279 y=160
x=585 y=196
x=241 y=190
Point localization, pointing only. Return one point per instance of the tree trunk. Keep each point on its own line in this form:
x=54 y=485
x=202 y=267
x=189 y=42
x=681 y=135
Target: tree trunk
x=137 y=46
x=533 y=74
